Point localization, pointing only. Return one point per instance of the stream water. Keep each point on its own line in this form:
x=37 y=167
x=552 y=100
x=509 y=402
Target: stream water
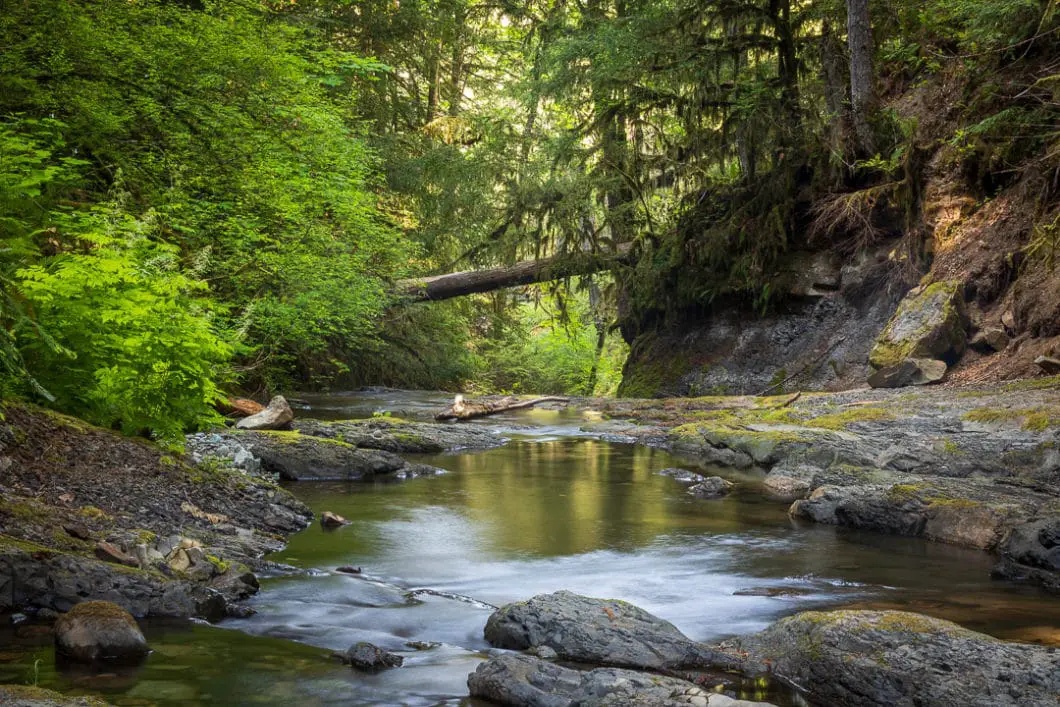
x=554 y=509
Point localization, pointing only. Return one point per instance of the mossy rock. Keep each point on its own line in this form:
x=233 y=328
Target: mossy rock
x=930 y=323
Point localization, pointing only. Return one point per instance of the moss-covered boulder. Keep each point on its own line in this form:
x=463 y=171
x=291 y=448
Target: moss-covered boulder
x=930 y=323
x=891 y=658
x=93 y=631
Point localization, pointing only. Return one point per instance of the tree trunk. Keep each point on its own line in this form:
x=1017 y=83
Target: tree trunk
x=458 y=284
x=463 y=410
x=862 y=96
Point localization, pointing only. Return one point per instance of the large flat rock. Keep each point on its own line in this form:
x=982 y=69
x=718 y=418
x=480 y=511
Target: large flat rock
x=598 y=632
x=301 y=457
x=402 y=437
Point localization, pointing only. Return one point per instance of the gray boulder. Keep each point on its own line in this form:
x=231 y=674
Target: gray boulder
x=402 y=437
x=370 y=658
x=929 y=323
x=711 y=487
x=94 y=631
x=276 y=416
x=526 y=681
x=911 y=371
x=1031 y=552
x=899 y=659
x=295 y=456
x=598 y=632
x=59 y=581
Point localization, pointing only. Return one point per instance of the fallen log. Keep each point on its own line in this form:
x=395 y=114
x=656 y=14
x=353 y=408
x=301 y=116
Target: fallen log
x=458 y=284
x=463 y=410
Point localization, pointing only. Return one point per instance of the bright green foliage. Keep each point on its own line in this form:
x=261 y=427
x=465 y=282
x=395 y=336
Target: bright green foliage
x=242 y=176
x=553 y=347
x=136 y=351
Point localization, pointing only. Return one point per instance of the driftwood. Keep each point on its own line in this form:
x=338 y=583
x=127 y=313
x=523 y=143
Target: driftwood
x=462 y=410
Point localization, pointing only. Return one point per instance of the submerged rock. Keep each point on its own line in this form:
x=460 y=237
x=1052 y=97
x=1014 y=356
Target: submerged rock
x=930 y=323
x=888 y=658
x=598 y=632
x=711 y=487
x=527 y=681
x=682 y=476
x=31 y=696
x=94 y=631
x=332 y=520
x=277 y=415
x=371 y=658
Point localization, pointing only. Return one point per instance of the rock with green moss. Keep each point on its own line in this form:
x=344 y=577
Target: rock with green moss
x=971 y=513
x=95 y=631
x=930 y=323
x=32 y=696
x=597 y=632
x=40 y=577
x=301 y=457
x=401 y=437
x=888 y=658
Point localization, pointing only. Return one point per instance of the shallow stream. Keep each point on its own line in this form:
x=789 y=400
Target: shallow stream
x=557 y=508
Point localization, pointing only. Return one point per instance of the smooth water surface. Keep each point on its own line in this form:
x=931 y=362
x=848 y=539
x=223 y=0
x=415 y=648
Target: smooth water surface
x=554 y=509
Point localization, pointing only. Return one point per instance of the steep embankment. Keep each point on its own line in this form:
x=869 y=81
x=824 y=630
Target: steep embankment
x=964 y=207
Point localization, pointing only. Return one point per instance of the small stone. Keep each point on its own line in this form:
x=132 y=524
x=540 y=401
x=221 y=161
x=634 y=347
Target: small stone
x=1008 y=320
x=712 y=487
x=278 y=415
x=990 y=340
x=47 y=614
x=109 y=553
x=348 y=569
x=332 y=520
x=99 y=630
x=77 y=531
x=911 y=371
x=366 y=656
x=1048 y=364
x=544 y=652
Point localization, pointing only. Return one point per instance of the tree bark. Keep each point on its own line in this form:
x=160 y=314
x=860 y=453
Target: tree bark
x=528 y=272
x=862 y=95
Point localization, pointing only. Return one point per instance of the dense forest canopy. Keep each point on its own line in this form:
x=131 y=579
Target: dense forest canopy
x=203 y=195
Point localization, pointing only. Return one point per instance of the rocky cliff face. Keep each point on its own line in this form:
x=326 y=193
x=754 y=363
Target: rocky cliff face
x=816 y=338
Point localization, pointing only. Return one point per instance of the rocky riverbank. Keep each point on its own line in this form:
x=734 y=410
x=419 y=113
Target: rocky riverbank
x=976 y=467
x=859 y=658
x=88 y=514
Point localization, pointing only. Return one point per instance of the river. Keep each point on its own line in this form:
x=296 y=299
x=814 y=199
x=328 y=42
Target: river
x=556 y=508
